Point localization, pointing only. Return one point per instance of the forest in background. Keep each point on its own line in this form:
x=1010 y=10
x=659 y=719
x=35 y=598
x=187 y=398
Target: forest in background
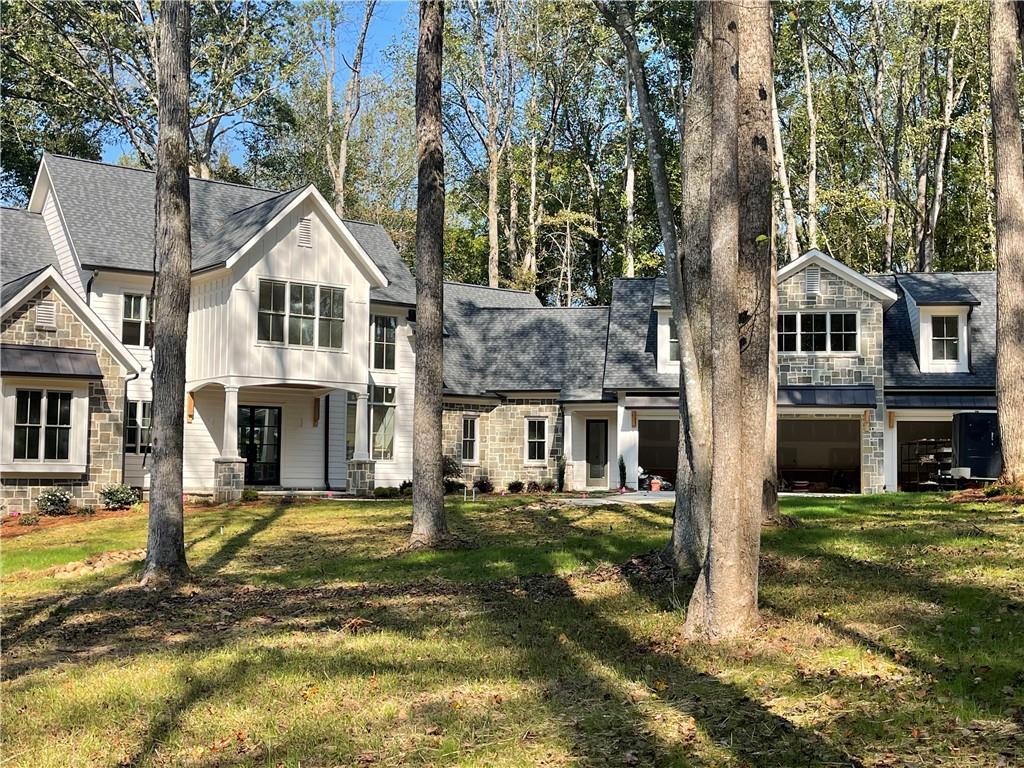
x=882 y=117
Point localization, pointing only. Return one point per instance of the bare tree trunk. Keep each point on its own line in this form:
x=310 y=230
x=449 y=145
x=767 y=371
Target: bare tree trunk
x=534 y=216
x=812 y=149
x=511 y=232
x=921 y=199
x=892 y=175
x=986 y=159
x=1009 y=172
x=165 y=552
x=792 y=245
x=428 y=519
x=629 y=260
x=493 y=246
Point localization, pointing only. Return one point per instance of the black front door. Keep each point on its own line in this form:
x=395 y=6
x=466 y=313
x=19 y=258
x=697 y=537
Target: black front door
x=259 y=443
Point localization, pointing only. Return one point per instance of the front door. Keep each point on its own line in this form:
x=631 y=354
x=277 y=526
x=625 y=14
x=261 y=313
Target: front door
x=259 y=443
x=597 y=452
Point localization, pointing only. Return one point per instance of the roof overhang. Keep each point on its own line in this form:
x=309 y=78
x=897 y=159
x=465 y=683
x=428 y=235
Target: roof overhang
x=817 y=258
x=52 y=277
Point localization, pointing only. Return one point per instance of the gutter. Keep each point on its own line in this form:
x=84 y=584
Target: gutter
x=88 y=289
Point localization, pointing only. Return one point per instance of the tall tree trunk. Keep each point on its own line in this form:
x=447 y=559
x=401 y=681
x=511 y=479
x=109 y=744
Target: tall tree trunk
x=165 y=550
x=629 y=259
x=792 y=245
x=990 y=222
x=892 y=174
x=1009 y=172
x=428 y=519
x=921 y=163
x=512 y=231
x=812 y=149
x=534 y=216
x=493 y=246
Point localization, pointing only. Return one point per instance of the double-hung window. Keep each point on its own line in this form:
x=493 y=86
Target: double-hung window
x=817 y=332
x=270 y=320
x=382 y=423
x=842 y=329
x=945 y=338
x=470 y=443
x=332 y=317
x=673 y=342
x=42 y=425
x=137 y=321
x=137 y=422
x=813 y=332
x=302 y=315
x=384 y=328
x=787 y=333
x=536 y=440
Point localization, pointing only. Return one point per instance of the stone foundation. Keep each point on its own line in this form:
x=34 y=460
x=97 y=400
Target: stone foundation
x=229 y=479
x=360 y=477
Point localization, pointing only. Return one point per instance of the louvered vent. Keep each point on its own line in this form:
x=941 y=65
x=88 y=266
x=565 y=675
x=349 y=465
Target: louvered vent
x=812 y=281
x=46 y=316
x=305 y=233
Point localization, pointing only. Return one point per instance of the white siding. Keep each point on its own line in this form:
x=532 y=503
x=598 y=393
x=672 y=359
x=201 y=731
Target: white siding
x=106 y=297
x=338 y=464
x=203 y=439
x=69 y=267
x=399 y=468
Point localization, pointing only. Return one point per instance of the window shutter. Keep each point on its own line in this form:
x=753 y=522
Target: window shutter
x=305 y=233
x=812 y=281
x=46 y=316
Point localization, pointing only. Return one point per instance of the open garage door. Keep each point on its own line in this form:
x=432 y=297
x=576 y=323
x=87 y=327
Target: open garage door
x=821 y=455
x=658 y=447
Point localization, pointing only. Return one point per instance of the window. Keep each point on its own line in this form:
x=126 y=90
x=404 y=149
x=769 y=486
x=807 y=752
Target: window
x=787 y=333
x=946 y=338
x=30 y=429
x=302 y=315
x=673 y=342
x=137 y=321
x=469 y=440
x=137 y=422
x=813 y=332
x=384 y=327
x=270 y=320
x=382 y=422
x=843 y=331
x=332 y=317
x=351 y=404
x=536 y=440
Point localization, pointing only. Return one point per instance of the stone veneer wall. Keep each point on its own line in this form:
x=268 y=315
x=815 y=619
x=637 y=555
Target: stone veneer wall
x=864 y=368
x=501 y=435
x=106 y=407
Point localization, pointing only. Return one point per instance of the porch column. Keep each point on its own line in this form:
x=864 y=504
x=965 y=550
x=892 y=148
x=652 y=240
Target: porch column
x=570 y=456
x=229 y=446
x=361 y=451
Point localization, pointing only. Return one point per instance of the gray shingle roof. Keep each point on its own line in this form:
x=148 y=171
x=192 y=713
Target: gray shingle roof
x=936 y=288
x=25 y=246
x=401 y=287
x=238 y=229
x=632 y=352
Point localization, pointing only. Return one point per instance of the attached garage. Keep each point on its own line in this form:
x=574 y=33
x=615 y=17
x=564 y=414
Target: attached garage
x=820 y=455
x=658 y=446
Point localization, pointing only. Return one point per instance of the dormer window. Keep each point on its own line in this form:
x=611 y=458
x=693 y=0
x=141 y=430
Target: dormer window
x=667 y=342
x=945 y=338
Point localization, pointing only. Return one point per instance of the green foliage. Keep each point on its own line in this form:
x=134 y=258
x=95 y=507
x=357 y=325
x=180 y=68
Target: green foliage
x=119 y=496
x=54 y=501
x=249 y=495
x=483 y=484
x=30 y=518
x=386 y=492
x=548 y=484
x=516 y=486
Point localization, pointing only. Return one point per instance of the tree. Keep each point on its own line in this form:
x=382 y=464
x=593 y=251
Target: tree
x=428 y=519
x=165 y=551
x=1004 y=55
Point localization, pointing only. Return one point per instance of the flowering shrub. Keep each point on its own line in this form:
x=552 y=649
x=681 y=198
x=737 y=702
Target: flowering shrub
x=55 y=501
x=118 y=496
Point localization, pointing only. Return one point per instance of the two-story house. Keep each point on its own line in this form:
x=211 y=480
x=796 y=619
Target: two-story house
x=301 y=357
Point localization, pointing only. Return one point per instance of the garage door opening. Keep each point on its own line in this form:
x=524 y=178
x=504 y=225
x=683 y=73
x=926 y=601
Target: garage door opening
x=926 y=453
x=658 y=447
x=821 y=456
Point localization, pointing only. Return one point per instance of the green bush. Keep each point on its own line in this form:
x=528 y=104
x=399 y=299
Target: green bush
x=516 y=486
x=450 y=467
x=453 y=486
x=405 y=487
x=484 y=484
x=250 y=494
x=533 y=487
x=118 y=496
x=55 y=501
x=386 y=492
x=30 y=518
x=547 y=484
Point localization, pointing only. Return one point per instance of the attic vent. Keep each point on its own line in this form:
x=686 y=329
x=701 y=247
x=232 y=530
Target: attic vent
x=305 y=233
x=46 y=316
x=812 y=281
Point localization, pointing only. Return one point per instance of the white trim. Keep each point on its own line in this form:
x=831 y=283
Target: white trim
x=475 y=460
x=527 y=461
x=828 y=351
x=816 y=257
x=78 y=441
x=377 y=278
x=51 y=275
x=927 y=313
x=665 y=365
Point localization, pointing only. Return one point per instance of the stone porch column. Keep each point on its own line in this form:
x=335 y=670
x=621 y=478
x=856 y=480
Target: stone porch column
x=229 y=468
x=360 y=467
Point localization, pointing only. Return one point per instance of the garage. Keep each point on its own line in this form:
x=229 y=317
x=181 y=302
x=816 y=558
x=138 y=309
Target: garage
x=819 y=455
x=925 y=453
x=658 y=446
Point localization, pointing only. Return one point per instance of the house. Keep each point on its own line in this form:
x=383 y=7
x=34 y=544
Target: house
x=301 y=356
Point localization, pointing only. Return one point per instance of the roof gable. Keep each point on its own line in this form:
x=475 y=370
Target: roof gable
x=815 y=257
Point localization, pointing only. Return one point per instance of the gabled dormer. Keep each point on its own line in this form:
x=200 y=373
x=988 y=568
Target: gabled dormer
x=940 y=309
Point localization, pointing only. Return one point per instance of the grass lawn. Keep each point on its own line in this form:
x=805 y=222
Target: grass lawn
x=893 y=635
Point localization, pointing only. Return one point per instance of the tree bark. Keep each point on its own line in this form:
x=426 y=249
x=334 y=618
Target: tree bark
x=512 y=231
x=428 y=519
x=1009 y=175
x=493 y=246
x=812 y=149
x=629 y=260
x=792 y=244
x=165 y=552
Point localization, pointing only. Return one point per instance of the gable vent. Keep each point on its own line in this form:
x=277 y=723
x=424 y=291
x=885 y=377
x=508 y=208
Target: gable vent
x=305 y=233
x=812 y=281
x=46 y=316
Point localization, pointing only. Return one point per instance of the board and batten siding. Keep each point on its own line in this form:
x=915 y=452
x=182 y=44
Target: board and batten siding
x=399 y=468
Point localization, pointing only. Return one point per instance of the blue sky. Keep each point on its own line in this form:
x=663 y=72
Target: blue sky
x=392 y=20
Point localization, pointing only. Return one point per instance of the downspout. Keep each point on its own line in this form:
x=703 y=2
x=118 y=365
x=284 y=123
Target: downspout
x=327 y=442
x=88 y=293
x=967 y=338
x=133 y=377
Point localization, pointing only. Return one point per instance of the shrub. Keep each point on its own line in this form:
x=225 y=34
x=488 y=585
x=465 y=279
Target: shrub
x=405 y=487
x=87 y=510
x=483 y=484
x=533 y=487
x=453 y=486
x=118 y=496
x=250 y=494
x=548 y=484
x=561 y=473
x=29 y=518
x=516 y=486
x=386 y=492
x=55 y=501
x=622 y=472
x=450 y=467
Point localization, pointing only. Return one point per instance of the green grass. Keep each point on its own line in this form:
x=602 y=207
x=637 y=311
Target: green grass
x=308 y=637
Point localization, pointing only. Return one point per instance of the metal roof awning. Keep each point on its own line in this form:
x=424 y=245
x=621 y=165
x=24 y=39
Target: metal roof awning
x=827 y=397
x=968 y=401
x=27 y=360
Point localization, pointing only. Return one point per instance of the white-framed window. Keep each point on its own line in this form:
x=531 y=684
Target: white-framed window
x=384 y=329
x=138 y=419
x=137 y=321
x=817 y=332
x=382 y=423
x=945 y=338
x=42 y=425
x=48 y=427
x=536 y=433
x=673 y=341
x=300 y=314
x=470 y=440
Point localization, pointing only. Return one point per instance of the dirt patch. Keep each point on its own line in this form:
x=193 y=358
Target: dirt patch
x=96 y=563
x=977 y=495
x=11 y=527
